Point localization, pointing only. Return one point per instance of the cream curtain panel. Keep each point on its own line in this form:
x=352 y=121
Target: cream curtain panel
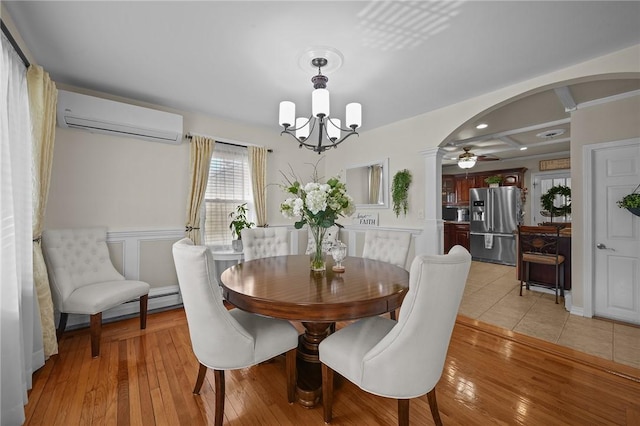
x=258 y=164
x=374 y=184
x=42 y=104
x=201 y=150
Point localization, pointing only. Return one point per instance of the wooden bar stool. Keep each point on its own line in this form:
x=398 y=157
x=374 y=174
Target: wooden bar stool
x=539 y=244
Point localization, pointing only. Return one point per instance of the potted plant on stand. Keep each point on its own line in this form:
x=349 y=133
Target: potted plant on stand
x=631 y=202
x=239 y=222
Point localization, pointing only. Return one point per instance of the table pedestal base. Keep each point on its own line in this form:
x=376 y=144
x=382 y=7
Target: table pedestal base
x=309 y=385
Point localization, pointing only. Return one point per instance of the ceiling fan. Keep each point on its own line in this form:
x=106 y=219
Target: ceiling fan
x=468 y=159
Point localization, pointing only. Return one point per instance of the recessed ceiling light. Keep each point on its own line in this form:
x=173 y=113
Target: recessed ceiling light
x=523 y=148
x=482 y=126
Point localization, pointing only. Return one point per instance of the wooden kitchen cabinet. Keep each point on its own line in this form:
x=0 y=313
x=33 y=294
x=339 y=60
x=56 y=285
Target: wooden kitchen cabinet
x=463 y=182
x=456 y=233
x=448 y=189
x=463 y=185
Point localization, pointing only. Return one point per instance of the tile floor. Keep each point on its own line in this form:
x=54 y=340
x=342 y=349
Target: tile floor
x=492 y=296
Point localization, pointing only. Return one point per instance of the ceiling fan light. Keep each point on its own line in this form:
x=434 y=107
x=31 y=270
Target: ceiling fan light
x=467 y=162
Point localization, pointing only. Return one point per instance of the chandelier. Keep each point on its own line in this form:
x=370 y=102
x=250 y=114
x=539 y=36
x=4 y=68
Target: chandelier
x=329 y=128
x=467 y=159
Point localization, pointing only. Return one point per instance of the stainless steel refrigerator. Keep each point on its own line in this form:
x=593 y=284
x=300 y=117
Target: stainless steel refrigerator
x=495 y=214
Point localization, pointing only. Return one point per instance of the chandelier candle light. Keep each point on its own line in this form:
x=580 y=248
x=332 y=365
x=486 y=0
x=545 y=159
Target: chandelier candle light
x=329 y=129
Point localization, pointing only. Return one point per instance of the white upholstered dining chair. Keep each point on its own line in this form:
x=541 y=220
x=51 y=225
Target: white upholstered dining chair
x=222 y=339
x=387 y=246
x=84 y=281
x=402 y=359
x=264 y=242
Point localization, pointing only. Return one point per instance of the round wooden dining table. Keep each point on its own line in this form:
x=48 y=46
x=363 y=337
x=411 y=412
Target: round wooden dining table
x=285 y=287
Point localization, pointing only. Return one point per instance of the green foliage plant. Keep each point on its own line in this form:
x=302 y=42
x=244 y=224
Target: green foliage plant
x=549 y=197
x=630 y=201
x=400 y=191
x=239 y=221
x=493 y=179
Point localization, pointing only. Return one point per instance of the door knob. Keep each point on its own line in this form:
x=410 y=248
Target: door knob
x=603 y=247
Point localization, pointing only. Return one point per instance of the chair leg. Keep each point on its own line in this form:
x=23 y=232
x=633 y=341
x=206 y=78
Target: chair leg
x=557 y=281
x=327 y=393
x=290 y=366
x=143 y=311
x=403 y=412
x=61 y=325
x=219 y=379
x=200 y=380
x=433 y=404
x=392 y=315
x=96 y=333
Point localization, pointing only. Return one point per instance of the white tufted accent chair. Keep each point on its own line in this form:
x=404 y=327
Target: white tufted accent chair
x=387 y=246
x=84 y=281
x=264 y=242
x=223 y=339
x=402 y=359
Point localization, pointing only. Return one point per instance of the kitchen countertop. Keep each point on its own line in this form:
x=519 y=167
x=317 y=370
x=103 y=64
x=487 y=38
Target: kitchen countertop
x=462 y=222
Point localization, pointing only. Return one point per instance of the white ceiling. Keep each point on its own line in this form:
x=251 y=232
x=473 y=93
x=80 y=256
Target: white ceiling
x=239 y=59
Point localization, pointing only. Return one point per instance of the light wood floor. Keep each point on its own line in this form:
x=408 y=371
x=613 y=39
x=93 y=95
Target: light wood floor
x=492 y=376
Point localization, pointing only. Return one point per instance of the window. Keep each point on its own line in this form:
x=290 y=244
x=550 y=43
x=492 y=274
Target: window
x=229 y=185
x=541 y=184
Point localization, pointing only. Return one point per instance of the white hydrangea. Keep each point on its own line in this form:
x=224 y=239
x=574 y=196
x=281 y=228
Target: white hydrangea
x=298 y=205
x=316 y=200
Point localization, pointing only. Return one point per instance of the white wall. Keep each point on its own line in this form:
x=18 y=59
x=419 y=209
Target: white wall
x=601 y=123
x=115 y=181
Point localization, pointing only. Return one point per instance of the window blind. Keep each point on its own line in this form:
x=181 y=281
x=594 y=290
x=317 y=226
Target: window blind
x=228 y=186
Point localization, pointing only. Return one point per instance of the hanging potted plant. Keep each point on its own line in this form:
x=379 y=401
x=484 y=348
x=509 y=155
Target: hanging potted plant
x=400 y=191
x=239 y=222
x=631 y=202
x=494 y=181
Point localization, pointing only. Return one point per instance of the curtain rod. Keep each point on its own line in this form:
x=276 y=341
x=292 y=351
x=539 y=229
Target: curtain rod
x=190 y=136
x=13 y=42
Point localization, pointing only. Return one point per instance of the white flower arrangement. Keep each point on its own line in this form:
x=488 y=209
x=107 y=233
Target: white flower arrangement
x=319 y=205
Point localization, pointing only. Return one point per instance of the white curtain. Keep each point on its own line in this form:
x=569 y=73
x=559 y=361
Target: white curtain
x=21 y=349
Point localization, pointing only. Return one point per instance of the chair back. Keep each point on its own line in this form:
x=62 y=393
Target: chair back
x=330 y=237
x=264 y=242
x=218 y=340
x=408 y=361
x=387 y=246
x=539 y=240
x=76 y=258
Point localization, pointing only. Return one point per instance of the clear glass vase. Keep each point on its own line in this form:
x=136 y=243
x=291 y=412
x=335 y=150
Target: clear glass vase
x=339 y=253
x=317 y=258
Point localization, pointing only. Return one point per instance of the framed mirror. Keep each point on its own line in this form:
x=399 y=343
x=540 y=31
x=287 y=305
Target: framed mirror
x=368 y=184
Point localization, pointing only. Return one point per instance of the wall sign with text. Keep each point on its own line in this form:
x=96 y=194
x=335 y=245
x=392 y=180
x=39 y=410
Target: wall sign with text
x=557 y=164
x=365 y=219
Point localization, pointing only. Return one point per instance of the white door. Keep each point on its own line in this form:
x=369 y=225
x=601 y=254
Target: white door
x=616 y=173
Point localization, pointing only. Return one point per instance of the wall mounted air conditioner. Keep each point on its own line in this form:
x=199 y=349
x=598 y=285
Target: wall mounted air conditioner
x=99 y=115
